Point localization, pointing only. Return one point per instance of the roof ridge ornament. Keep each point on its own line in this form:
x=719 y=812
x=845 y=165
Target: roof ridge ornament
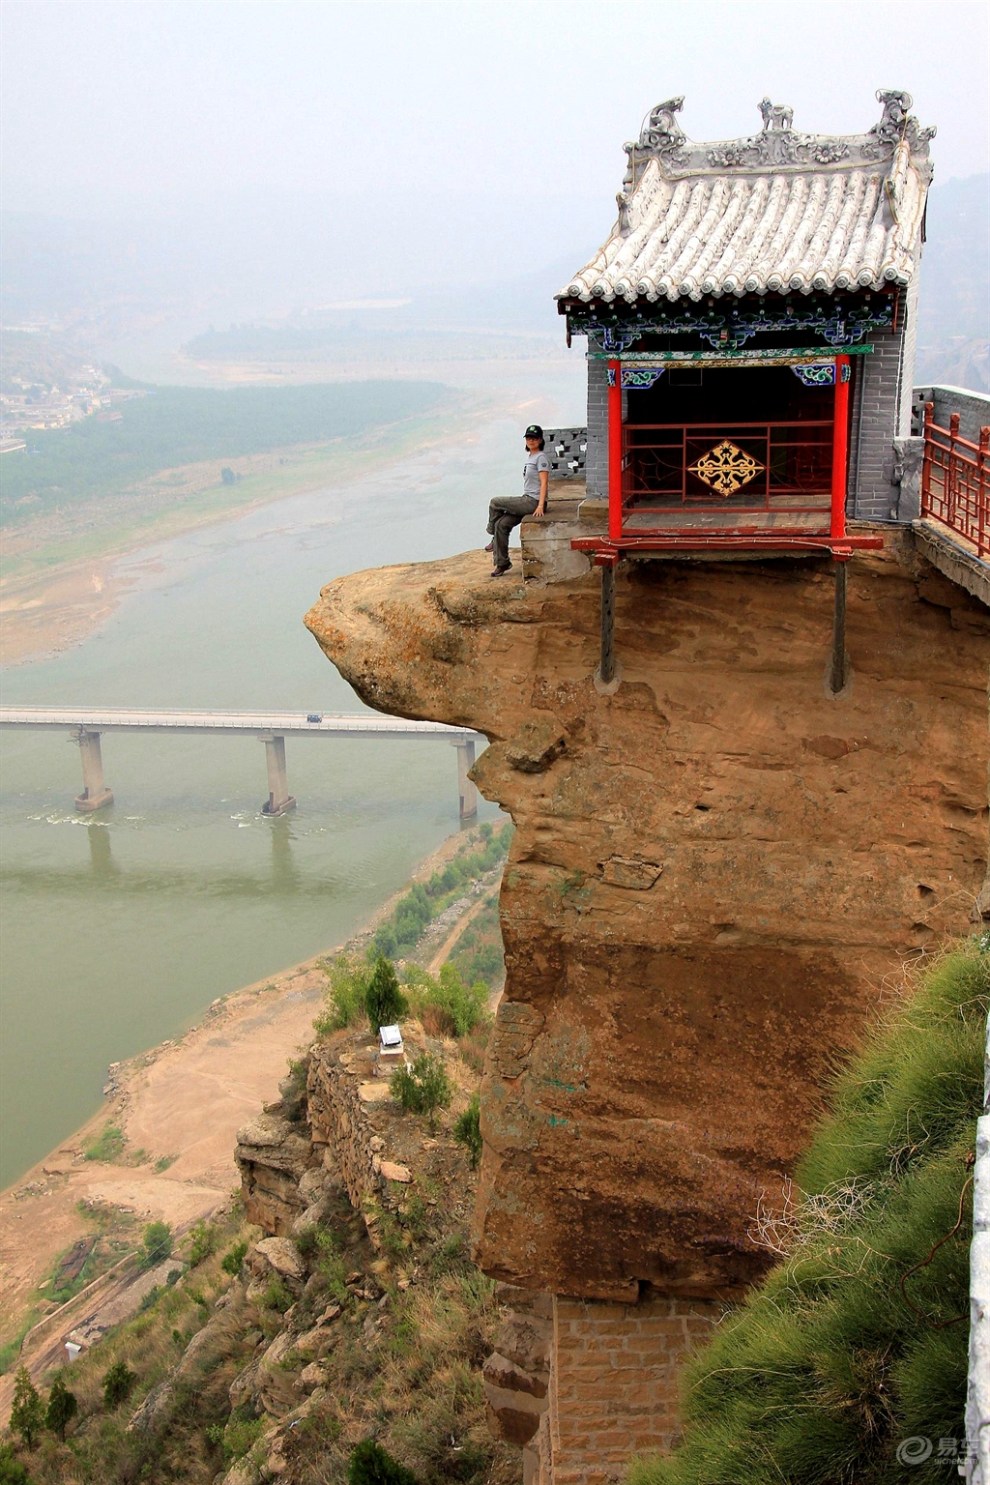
x=776 y=116
x=897 y=123
x=660 y=137
x=777 y=145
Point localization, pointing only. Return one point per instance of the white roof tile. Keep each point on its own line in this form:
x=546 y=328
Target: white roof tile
x=773 y=213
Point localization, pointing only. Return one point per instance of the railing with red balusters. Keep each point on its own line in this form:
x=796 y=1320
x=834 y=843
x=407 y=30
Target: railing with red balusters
x=955 y=481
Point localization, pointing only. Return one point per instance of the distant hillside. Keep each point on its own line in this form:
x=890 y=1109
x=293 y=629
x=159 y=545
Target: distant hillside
x=954 y=321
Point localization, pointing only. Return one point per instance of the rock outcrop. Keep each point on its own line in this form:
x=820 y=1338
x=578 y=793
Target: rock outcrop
x=717 y=872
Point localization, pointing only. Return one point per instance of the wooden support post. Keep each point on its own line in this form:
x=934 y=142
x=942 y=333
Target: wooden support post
x=606 y=669
x=838 y=672
x=95 y=794
x=279 y=799
x=466 y=791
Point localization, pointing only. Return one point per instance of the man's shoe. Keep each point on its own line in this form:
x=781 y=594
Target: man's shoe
x=490 y=547
x=501 y=571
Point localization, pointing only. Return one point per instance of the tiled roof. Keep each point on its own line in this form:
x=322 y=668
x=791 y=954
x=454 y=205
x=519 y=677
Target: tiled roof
x=774 y=213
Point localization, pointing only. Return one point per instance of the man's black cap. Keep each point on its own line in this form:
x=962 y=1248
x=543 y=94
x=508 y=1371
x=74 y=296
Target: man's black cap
x=533 y=431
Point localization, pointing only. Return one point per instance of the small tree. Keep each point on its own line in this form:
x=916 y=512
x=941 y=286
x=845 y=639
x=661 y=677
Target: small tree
x=117 y=1384
x=424 y=1088
x=156 y=1244
x=370 y=1464
x=27 y=1412
x=467 y=1129
x=203 y=1242
x=383 y=1000
x=12 y=1472
x=62 y=1408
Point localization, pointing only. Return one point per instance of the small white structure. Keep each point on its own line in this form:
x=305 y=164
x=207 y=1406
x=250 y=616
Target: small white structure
x=391 y=1052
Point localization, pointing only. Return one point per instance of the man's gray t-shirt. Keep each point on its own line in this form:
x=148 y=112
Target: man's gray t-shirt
x=535 y=464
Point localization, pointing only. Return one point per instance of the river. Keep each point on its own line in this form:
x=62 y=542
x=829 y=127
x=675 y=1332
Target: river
x=119 y=932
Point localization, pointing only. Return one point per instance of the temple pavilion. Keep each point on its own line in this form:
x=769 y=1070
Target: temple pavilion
x=750 y=326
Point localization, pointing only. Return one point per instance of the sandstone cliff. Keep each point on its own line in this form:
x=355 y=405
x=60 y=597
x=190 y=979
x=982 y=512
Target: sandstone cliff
x=716 y=874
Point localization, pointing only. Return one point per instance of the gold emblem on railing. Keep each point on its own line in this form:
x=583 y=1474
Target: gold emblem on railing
x=726 y=468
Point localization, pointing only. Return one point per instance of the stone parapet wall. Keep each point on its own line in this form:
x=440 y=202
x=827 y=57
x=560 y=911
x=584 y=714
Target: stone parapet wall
x=347 y=1118
x=973 y=409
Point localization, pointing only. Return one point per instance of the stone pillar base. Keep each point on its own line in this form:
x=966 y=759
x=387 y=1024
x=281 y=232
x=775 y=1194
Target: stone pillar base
x=281 y=808
x=86 y=803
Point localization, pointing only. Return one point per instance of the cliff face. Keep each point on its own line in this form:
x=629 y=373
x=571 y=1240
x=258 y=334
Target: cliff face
x=716 y=873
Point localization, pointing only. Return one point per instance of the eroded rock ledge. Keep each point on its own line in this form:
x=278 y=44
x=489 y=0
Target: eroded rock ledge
x=717 y=872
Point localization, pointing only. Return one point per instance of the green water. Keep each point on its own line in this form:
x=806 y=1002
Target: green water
x=118 y=933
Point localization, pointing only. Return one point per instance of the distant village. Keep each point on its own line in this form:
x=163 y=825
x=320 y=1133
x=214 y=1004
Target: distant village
x=31 y=402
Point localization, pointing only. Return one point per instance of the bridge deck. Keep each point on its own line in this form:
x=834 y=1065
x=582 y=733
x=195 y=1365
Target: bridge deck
x=123 y=719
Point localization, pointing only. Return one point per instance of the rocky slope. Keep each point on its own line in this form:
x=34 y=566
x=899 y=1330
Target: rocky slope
x=716 y=874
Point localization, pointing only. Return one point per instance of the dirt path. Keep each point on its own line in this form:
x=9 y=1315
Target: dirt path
x=450 y=942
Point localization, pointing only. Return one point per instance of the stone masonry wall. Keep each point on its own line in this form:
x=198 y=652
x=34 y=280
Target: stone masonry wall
x=346 y=1107
x=614 y=1388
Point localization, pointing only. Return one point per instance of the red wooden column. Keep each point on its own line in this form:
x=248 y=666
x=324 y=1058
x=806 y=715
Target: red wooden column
x=840 y=446
x=615 y=450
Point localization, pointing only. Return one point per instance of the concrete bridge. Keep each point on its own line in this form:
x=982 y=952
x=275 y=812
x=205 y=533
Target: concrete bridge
x=86 y=726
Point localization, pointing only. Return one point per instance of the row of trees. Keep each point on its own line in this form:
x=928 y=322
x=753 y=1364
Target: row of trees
x=422 y=903
x=30 y=1414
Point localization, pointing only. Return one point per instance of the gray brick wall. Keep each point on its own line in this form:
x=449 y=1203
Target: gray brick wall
x=878 y=408
x=596 y=459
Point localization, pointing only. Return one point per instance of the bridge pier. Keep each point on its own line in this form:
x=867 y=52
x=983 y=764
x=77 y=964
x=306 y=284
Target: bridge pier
x=95 y=794
x=467 y=793
x=279 y=800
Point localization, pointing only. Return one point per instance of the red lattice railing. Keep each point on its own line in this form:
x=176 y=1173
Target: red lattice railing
x=955 y=481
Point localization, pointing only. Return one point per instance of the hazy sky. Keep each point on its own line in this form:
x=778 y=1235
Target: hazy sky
x=119 y=103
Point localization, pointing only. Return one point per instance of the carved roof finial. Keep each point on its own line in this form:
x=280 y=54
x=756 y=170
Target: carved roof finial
x=660 y=130
x=775 y=115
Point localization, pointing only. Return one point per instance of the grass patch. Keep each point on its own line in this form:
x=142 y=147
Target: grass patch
x=108 y=1145
x=858 y=1340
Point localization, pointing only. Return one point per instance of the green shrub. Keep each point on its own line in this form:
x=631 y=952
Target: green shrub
x=277 y=1296
x=233 y=1260
x=345 y=996
x=446 y=1003
x=156 y=1244
x=467 y=1129
x=118 y=1383
x=384 y=1002
x=108 y=1145
x=370 y=1464
x=12 y=1472
x=424 y=1088
x=236 y=1436
x=203 y=1242
x=858 y=1340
